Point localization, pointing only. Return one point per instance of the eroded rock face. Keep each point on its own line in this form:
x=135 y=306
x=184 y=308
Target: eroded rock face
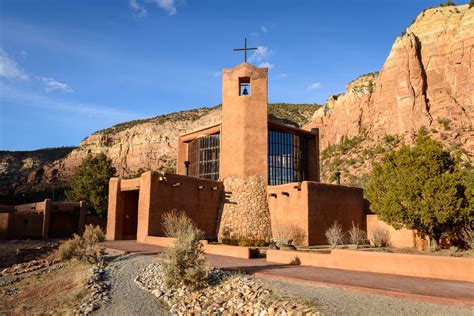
x=150 y=146
x=427 y=80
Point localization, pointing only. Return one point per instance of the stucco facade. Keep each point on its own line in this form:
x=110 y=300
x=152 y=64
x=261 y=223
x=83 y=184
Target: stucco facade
x=226 y=176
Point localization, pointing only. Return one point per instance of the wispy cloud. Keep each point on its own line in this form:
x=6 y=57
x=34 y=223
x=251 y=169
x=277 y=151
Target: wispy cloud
x=266 y=65
x=260 y=54
x=140 y=11
x=314 y=86
x=264 y=29
x=10 y=69
x=282 y=76
x=24 y=98
x=52 y=84
x=168 y=5
x=216 y=74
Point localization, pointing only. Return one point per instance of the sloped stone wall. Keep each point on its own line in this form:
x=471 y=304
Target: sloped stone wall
x=244 y=209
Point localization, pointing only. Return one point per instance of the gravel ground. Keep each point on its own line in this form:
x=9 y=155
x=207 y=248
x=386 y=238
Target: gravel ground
x=341 y=302
x=126 y=298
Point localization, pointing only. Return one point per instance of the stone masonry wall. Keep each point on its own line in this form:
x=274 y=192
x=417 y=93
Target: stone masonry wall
x=244 y=209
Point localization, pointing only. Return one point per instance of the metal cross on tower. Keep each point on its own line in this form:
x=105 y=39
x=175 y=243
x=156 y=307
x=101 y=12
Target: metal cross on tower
x=245 y=49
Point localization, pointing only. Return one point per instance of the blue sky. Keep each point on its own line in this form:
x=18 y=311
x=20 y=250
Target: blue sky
x=69 y=68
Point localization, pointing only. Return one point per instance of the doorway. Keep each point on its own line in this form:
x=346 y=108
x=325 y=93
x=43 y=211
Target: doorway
x=130 y=214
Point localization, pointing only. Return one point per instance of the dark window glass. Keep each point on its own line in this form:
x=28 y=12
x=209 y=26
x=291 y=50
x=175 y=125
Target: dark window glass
x=204 y=157
x=286 y=158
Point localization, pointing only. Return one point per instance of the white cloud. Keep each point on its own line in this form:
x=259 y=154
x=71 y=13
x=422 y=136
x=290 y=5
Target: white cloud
x=140 y=10
x=259 y=54
x=264 y=29
x=282 y=76
x=52 y=84
x=216 y=74
x=24 y=98
x=167 y=5
x=10 y=69
x=314 y=86
x=266 y=65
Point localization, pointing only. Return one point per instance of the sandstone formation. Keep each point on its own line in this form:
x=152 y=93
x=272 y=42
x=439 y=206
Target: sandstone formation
x=244 y=211
x=427 y=80
x=148 y=144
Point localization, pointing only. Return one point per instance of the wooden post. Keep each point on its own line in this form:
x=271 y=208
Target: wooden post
x=82 y=216
x=46 y=218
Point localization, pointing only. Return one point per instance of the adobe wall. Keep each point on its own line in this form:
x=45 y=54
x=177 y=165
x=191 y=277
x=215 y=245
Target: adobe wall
x=329 y=203
x=402 y=238
x=45 y=219
x=21 y=225
x=244 y=210
x=288 y=205
x=314 y=207
x=199 y=198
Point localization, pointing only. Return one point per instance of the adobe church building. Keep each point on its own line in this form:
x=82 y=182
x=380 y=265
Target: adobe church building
x=246 y=177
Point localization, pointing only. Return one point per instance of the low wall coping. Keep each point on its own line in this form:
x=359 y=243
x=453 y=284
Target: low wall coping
x=423 y=266
x=213 y=249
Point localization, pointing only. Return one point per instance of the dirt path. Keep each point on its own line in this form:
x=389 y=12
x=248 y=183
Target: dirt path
x=126 y=297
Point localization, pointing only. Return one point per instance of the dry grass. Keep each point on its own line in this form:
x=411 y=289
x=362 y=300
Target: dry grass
x=380 y=237
x=335 y=235
x=60 y=291
x=293 y=232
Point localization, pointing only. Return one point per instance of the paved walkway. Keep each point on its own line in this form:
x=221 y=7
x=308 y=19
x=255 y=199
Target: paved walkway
x=422 y=289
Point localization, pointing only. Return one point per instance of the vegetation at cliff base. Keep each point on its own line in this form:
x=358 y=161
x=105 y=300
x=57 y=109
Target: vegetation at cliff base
x=423 y=188
x=91 y=182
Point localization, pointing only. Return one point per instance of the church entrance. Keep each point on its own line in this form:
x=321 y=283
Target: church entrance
x=130 y=214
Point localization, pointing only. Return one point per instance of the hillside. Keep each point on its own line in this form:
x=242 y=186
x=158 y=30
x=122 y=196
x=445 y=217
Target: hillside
x=140 y=144
x=427 y=82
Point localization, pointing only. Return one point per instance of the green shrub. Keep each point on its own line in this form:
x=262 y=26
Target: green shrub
x=445 y=123
x=448 y=3
x=471 y=4
x=85 y=247
x=422 y=188
x=91 y=182
x=244 y=242
x=230 y=241
x=174 y=222
x=185 y=263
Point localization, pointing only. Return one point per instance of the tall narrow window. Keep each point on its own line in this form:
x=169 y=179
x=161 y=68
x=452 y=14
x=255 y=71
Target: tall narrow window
x=287 y=161
x=244 y=86
x=204 y=157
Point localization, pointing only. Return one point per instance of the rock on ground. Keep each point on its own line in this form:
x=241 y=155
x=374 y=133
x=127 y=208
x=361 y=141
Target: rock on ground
x=126 y=298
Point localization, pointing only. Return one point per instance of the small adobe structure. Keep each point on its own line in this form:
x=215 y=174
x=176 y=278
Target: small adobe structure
x=246 y=177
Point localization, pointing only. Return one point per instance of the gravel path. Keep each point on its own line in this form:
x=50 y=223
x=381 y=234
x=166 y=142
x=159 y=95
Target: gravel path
x=341 y=302
x=126 y=297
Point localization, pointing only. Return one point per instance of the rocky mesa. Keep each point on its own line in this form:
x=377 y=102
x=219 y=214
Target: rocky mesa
x=148 y=144
x=426 y=81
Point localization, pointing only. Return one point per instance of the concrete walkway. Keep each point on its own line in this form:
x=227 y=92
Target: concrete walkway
x=421 y=289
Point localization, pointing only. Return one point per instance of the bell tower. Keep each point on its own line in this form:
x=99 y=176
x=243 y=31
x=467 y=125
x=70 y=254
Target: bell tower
x=244 y=134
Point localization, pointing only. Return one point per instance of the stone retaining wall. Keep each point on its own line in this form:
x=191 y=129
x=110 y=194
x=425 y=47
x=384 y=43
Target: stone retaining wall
x=244 y=209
